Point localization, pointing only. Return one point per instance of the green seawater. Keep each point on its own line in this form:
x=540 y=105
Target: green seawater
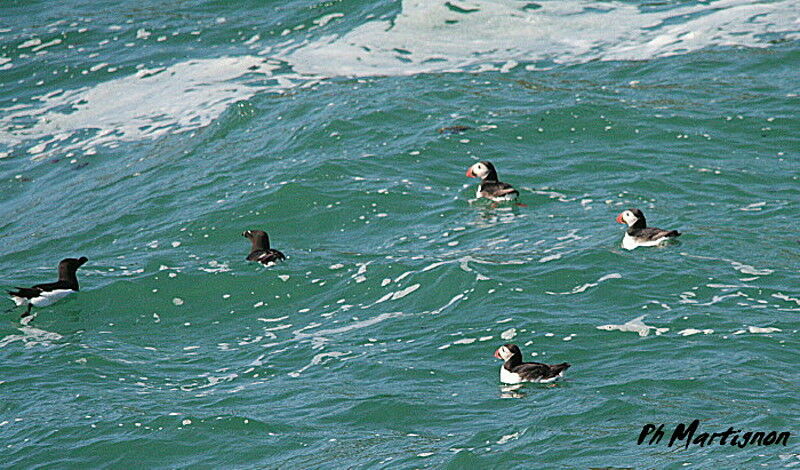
x=147 y=136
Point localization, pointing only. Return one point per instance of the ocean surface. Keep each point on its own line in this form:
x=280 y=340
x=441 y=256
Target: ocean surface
x=148 y=135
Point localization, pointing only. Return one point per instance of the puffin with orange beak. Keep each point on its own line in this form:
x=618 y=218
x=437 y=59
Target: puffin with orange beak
x=490 y=187
x=515 y=371
x=639 y=234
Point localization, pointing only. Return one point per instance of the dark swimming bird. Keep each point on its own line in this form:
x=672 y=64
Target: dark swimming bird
x=453 y=129
x=42 y=295
x=515 y=371
x=490 y=187
x=639 y=234
x=261 y=251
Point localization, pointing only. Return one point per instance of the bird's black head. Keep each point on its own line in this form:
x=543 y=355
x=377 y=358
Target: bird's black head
x=632 y=217
x=507 y=351
x=72 y=264
x=259 y=238
x=67 y=267
x=488 y=165
x=483 y=170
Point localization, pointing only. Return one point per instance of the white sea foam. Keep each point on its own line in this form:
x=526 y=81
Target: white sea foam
x=269 y=320
x=424 y=37
x=762 y=330
x=509 y=437
x=317 y=360
x=452 y=301
x=545 y=259
x=509 y=334
x=215 y=267
x=785 y=297
x=695 y=331
x=583 y=287
x=747 y=269
x=31 y=337
x=184 y=96
x=402 y=293
x=636 y=326
x=430 y=37
x=465 y=341
x=352 y=326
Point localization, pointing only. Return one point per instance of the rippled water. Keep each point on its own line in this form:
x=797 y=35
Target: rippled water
x=148 y=137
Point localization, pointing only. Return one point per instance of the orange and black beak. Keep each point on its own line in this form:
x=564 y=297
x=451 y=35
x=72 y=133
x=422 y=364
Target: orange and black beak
x=619 y=219
x=497 y=354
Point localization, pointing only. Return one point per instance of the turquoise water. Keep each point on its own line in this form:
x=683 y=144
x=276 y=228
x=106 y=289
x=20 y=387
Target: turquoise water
x=148 y=137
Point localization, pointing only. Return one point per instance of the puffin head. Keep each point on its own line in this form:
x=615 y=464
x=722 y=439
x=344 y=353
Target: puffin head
x=630 y=217
x=481 y=170
x=507 y=351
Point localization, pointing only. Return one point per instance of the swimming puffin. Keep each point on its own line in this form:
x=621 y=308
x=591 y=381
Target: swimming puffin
x=261 y=251
x=42 y=295
x=639 y=234
x=515 y=371
x=490 y=187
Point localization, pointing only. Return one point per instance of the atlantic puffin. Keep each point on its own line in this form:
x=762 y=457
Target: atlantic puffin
x=42 y=295
x=515 y=371
x=490 y=187
x=639 y=234
x=260 y=250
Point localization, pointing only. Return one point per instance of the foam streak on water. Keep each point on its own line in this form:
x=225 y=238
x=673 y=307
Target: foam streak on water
x=432 y=37
x=147 y=105
x=425 y=37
